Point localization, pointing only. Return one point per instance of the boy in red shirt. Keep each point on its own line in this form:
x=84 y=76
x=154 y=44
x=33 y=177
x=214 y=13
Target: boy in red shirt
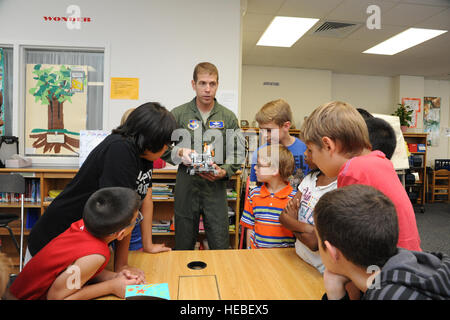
x=338 y=138
x=62 y=269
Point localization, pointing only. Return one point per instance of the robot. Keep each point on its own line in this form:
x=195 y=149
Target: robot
x=202 y=162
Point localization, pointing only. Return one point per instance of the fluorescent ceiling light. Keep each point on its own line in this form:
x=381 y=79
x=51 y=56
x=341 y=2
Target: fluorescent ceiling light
x=285 y=31
x=404 y=40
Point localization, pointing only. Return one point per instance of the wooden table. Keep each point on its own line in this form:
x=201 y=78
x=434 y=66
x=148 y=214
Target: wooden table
x=264 y=274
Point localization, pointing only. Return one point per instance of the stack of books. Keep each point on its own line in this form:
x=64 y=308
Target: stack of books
x=160 y=226
x=162 y=191
x=231 y=194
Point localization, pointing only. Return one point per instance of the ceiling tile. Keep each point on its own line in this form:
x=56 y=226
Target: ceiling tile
x=256 y=21
x=443 y=3
x=376 y=35
x=409 y=14
x=439 y=21
x=356 y=10
x=308 y=9
x=264 y=6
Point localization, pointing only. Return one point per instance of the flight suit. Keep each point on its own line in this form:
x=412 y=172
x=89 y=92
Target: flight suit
x=193 y=194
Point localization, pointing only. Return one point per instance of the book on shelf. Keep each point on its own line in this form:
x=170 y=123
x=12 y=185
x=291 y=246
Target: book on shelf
x=231 y=194
x=162 y=191
x=161 y=226
x=32 y=193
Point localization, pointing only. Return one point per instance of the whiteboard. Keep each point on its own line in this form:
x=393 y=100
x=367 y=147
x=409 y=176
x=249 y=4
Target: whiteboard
x=89 y=139
x=400 y=157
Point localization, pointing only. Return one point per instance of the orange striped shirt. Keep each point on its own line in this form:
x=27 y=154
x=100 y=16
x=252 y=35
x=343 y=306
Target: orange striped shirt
x=262 y=211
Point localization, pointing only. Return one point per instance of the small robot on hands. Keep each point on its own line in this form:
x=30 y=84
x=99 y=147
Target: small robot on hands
x=202 y=162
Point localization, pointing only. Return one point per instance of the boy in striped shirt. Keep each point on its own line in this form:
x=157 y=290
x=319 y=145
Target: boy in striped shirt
x=264 y=204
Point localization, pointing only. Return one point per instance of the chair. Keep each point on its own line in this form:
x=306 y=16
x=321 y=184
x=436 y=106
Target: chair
x=440 y=185
x=13 y=183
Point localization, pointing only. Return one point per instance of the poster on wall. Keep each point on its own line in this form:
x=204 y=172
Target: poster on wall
x=2 y=93
x=56 y=109
x=431 y=119
x=414 y=105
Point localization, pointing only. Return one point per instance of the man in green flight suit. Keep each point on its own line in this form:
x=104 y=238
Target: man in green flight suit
x=204 y=120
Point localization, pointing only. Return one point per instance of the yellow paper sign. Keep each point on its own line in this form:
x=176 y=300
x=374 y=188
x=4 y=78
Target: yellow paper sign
x=125 y=88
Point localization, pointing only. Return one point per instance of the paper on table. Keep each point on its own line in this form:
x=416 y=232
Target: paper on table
x=149 y=291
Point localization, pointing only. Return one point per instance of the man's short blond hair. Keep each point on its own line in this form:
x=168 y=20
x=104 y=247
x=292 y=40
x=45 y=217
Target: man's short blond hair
x=205 y=67
x=277 y=111
x=338 y=121
x=284 y=158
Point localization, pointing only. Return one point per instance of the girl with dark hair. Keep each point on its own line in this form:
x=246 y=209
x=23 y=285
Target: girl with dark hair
x=124 y=159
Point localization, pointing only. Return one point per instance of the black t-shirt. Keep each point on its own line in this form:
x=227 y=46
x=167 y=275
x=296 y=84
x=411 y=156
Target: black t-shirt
x=115 y=162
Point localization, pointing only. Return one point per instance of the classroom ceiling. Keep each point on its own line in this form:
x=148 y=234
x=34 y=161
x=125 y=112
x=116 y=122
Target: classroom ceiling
x=343 y=54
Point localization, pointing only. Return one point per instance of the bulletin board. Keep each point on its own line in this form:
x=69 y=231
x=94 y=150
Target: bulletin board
x=412 y=104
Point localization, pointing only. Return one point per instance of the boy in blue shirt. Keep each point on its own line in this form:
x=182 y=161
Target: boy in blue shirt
x=275 y=120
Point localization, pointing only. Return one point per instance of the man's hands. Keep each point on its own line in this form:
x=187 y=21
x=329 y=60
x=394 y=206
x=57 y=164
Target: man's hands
x=185 y=155
x=217 y=175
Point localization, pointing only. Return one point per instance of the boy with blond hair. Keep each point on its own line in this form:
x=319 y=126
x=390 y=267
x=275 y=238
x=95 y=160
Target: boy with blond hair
x=338 y=138
x=275 y=120
x=264 y=204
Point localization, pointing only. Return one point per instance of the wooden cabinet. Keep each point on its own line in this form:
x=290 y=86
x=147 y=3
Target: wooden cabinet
x=57 y=178
x=417 y=144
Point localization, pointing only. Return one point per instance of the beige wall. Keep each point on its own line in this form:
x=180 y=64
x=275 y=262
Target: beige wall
x=373 y=93
x=304 y=89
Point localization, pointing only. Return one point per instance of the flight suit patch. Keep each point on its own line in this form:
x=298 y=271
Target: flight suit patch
x=193 y=124
x=218 y=124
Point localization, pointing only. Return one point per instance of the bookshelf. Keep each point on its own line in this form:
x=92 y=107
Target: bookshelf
x=47 y=178
x=417 y=145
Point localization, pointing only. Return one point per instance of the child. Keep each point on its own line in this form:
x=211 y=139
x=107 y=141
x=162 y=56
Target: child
x=298 y=214
x=264 y=204
x=381 y=134
x=339 y=142
x=62 y=269
x=369 y=244
x=274 y=120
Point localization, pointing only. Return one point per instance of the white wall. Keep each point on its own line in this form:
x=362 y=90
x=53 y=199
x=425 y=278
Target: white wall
x=157 y=41
x=373 y=93
x=306 y=89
